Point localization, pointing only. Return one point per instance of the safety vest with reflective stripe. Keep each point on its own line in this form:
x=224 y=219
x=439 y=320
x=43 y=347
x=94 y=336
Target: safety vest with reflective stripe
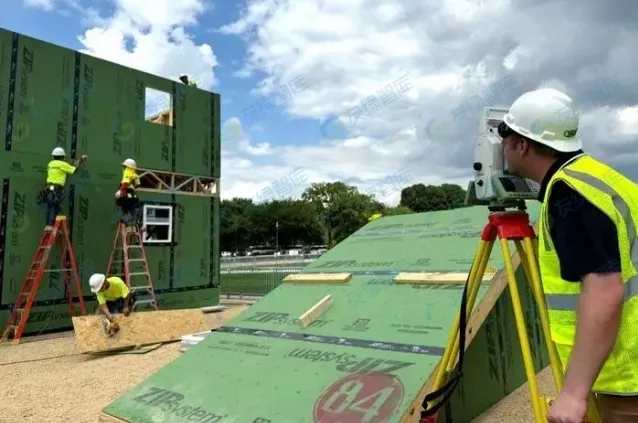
x=617 y=196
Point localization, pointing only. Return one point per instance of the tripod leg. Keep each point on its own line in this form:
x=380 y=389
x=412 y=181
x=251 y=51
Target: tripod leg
x=530 y=266
x=448 y=357
x=476 y=278
x=522 y=334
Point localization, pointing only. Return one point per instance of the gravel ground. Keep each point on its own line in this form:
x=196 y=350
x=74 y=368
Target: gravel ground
x=45 y=381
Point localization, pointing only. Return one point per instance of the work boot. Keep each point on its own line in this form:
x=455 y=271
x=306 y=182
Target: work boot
x=48 y=228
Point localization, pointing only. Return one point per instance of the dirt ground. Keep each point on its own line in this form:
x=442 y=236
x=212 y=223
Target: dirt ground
x=44 y=380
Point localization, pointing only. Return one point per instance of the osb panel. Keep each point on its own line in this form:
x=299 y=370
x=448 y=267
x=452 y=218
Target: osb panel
x=143 y=328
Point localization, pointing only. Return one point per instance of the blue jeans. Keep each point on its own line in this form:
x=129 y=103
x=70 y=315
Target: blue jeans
x=115 y=306
x=53 y=200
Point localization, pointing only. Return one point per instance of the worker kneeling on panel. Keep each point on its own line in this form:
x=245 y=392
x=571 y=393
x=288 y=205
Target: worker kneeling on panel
x=126 y=196
x=113 y=296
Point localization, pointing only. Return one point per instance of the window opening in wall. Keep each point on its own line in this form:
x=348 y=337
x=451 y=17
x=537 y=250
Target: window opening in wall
x=157 y=107
x=158 y=221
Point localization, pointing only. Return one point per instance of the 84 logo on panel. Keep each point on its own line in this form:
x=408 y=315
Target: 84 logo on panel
x=359 y=398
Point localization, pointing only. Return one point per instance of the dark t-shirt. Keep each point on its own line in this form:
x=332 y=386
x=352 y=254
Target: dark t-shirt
x=585 y=238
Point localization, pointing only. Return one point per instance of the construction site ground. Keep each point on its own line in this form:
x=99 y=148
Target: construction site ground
x=379 y=334
x=44 y=380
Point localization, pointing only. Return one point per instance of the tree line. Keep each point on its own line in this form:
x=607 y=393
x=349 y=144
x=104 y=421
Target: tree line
x=326 y=214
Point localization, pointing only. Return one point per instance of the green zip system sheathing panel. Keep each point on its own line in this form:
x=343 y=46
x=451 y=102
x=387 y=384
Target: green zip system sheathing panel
x=51 y=96
x=365 y=359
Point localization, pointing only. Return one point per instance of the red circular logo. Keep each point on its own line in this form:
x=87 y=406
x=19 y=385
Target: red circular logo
x=359 y=398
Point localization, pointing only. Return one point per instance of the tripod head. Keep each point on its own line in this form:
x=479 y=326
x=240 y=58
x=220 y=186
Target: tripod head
x=493 y=185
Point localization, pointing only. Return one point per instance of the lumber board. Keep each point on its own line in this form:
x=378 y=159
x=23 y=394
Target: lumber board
x=318 y=277
x=107 y=418
x=437 y=277
x=141 y=328
x=315 y=311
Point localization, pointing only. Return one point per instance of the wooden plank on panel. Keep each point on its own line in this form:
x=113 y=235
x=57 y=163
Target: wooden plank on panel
x=315 y=311
x=318 y=277
x=437 y=277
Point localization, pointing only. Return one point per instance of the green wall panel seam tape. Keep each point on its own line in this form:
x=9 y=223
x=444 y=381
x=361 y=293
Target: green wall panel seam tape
x=74 y=139
x=4 y=210
x=15 y=40
x=211 y=263
x=171 y=262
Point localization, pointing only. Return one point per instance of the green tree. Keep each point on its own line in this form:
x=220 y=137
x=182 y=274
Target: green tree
x=340 y=209
x=424 y=198
x=282 y=223
x=236 y=225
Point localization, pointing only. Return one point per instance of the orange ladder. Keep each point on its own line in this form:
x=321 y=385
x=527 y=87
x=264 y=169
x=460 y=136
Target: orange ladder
x=20 y=314
x=128 y=265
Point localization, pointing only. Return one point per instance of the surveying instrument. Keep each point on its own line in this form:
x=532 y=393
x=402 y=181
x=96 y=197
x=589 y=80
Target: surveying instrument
x=504 y=194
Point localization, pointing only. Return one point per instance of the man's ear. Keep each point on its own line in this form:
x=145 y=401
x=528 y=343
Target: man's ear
x=525 y=146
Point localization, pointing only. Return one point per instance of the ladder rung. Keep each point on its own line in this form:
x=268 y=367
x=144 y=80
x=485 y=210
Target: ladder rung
x=19 y=310
x=56 y=270
x=138 y=273
x=139 y=288
x=138 y=302
x=26 y=294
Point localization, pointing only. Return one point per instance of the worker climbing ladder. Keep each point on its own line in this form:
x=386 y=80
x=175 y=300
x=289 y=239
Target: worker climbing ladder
x=24 y=302
x=128 y=261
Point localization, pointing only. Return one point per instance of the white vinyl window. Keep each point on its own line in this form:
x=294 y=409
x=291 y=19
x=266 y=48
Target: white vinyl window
x=158 y=221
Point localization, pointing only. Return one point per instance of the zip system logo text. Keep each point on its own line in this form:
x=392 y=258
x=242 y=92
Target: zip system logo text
x=170 y=402
x=350 y=363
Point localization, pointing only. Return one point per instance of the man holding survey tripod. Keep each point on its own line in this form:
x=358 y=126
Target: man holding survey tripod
x=588 y=256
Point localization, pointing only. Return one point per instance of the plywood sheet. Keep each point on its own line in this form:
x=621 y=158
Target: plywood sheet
x=143 y=328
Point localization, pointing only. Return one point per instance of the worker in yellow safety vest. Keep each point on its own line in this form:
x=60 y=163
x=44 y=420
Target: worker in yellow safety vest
x=186 y=80
x=113 y=297
x=126 y=196
x=53 y=192
x=587 y=254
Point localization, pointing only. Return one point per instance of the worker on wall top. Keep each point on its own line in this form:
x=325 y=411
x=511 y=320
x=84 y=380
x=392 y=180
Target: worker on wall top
x=53 y=192
x=187 y=81
x=126 y=196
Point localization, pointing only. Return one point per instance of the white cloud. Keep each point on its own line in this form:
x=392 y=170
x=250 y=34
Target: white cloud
x=347 y=52
x=150 y=35
x=46 y=5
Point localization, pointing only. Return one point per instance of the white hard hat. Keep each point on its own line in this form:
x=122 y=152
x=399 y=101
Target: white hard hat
x=548 y=117
x=130 y=163
x=96 y=281
x=58 y=151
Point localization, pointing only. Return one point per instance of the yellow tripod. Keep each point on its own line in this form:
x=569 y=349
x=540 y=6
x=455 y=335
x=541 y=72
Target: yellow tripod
x=508 y=226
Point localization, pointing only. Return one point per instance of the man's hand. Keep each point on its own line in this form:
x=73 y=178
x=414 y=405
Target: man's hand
x=126 y=311
x=567 y=409
x=84 y=158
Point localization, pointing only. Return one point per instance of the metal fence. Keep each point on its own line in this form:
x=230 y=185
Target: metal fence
x=257 y=276
x=265 y=260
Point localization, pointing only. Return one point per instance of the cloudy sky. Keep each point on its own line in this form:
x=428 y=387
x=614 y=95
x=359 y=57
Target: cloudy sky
x=377 y=93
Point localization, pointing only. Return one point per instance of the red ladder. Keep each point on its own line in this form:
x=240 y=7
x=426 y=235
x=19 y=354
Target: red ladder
x=128 y=265
x=20 y=314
